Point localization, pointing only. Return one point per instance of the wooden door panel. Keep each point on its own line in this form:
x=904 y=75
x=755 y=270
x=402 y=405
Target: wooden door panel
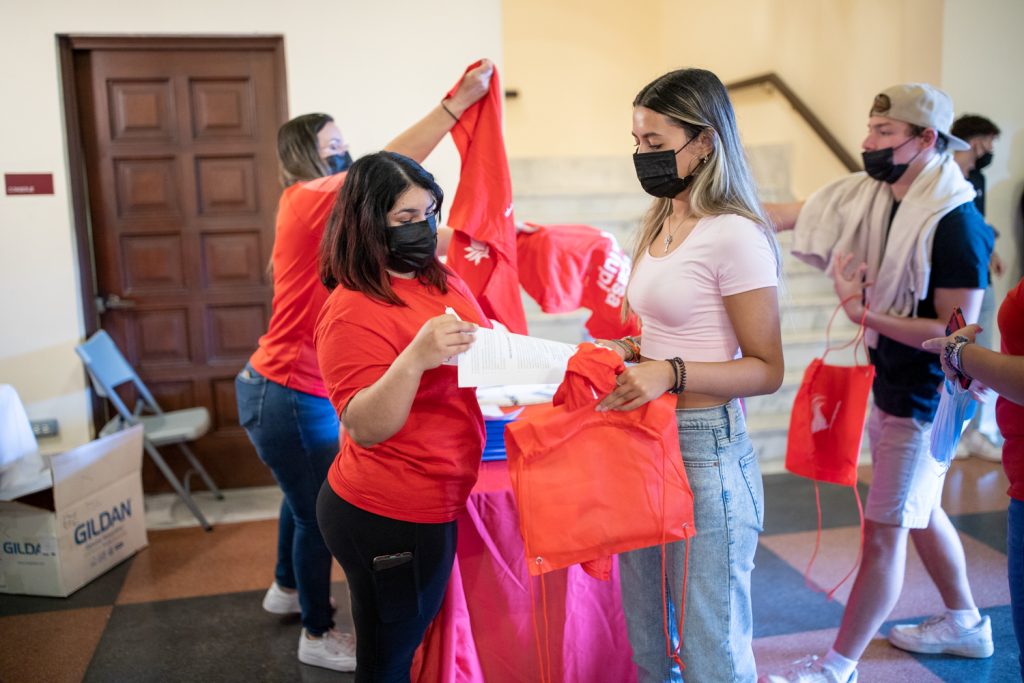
x=151 y=262
x=222 y=108
x=231 y=329
x=160 y=337
x=232 y=258
x=226 y=185
x=181 y=158
x=147 y=190
x=141 y=110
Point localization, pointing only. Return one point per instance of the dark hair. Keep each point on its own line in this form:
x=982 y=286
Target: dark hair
x=354 y=250
x=941 y=141
x=971 y=126
x=298 y=150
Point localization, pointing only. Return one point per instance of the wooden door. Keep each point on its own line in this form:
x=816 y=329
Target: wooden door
x=180 y=158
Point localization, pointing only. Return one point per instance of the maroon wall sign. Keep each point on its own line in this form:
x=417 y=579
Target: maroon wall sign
x=28 y=183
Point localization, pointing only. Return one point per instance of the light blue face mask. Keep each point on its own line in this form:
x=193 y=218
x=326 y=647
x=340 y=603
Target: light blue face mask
x=954 y=411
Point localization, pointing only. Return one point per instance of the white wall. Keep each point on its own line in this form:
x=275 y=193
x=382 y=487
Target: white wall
x=982 y=53
x=376 y=67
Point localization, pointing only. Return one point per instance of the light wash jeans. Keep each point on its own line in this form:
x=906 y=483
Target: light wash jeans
x=296 y=436
x=729 y=514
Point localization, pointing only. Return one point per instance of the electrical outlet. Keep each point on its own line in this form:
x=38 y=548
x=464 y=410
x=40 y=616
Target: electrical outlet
x=45 y=429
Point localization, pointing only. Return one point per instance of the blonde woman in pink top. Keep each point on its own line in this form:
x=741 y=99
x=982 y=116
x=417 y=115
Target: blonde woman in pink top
x=705 y=278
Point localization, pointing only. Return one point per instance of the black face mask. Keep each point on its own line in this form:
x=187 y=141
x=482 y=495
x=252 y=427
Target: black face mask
x=657 y=172
x=878 y=164
x=336 y=163
x=412 y=245
x=983 y=161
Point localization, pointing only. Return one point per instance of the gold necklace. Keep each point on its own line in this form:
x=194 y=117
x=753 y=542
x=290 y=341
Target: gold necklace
x=669 y=235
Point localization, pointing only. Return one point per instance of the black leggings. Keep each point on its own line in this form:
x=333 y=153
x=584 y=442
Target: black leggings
x=392 y=605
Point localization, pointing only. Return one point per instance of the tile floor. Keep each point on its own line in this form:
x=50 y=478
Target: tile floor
x=187 y=608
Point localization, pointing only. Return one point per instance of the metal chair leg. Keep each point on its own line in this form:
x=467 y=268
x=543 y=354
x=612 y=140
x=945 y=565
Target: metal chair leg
x=176 y=485
x=201 y=471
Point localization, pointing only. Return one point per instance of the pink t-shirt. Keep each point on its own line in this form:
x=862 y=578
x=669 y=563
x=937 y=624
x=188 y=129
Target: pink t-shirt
x=679 y=296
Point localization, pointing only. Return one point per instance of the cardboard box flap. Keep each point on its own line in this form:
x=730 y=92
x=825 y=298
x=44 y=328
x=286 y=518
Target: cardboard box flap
x=25 y=477
x=84 y=470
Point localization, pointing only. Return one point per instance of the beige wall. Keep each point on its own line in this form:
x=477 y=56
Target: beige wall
x=981 y=59
x=375 y=66
x=836 y=54
x=577 y=65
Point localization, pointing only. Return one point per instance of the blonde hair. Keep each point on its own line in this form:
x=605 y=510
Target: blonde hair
x=696 y=100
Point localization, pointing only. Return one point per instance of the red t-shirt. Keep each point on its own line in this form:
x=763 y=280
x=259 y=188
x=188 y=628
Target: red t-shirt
x=1010 y=415
x=425 y=471
x=286 y=354
x=564 y=267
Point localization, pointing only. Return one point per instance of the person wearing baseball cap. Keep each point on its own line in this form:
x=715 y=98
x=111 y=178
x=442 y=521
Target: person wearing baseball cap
x=904 y=244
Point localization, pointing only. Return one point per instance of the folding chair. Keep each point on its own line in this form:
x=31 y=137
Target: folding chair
x=108 y=370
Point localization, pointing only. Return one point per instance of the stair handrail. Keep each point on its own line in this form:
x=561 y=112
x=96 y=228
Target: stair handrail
x=822 y=131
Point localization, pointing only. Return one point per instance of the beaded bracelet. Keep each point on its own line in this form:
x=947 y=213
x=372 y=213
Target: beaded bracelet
x=953 y=351
x=956 y=358
x=632 y=347
x=679 y=368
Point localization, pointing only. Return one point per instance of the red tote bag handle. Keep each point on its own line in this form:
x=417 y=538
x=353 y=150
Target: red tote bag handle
x=857 y=340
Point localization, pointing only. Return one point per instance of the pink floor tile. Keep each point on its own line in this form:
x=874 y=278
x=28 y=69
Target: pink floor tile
x=881 y=661
x=986 y=569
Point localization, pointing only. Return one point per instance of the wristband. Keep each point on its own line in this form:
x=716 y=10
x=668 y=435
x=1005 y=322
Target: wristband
x=445 y=107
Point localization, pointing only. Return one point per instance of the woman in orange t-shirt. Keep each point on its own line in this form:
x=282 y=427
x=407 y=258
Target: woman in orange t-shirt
x=282 y=401
x=413 y=438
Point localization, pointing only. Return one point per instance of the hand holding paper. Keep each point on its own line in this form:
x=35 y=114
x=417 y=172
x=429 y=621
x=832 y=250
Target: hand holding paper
x=498 y=357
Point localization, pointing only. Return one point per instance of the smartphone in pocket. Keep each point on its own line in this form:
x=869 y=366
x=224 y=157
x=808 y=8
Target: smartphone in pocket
x=382 y=562
x=397 y=586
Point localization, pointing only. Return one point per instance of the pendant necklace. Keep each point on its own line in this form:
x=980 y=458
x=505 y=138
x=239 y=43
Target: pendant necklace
x=669 y=237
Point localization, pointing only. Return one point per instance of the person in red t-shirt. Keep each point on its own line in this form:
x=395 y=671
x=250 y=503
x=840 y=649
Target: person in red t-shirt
x=282 y=401
x=413 y=438
x=1003 y=373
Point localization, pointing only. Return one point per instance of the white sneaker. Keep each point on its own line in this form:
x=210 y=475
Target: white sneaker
x=980 y=446
x=807 y=670
x=335 y=650
x=941 y=635
x=279 y=601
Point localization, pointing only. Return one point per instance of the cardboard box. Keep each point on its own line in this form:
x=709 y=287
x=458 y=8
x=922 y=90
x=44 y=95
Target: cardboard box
x=89 y=517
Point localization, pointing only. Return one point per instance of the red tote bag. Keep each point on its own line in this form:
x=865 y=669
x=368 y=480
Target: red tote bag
x=592 y=484
x=826 y=427
x=589 y=485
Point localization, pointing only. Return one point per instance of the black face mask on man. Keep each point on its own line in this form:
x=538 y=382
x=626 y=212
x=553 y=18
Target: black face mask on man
x=411 y=246
x=878 y=164
x=657 y=172
x=983 y=161
x=336 y=163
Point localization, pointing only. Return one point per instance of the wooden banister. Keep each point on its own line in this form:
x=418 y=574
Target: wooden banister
x=805 y=113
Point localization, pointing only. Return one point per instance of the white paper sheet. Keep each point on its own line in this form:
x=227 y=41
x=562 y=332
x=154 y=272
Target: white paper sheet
x=498 y=358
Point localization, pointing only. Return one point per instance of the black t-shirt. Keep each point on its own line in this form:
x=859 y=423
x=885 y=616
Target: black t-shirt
x=907 y=378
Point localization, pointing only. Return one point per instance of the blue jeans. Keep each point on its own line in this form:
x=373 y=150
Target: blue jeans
x=729 y=515
x=296 y=436
x=1015 y=559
